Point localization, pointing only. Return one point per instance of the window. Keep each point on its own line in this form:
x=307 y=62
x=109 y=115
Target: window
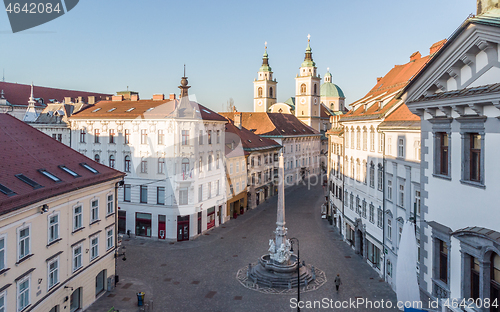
x=110 y=235
x=96 y=135
x=364 y=209
x=144 y=165
x=185 y=137
x=358 y=206
x=200 y=164
x=381 y=143
x=209 y=164
x=200 y=137
x=372 y=213
x=259 y=92
x=209 y=136
x=372 y=175
x=389 y=146
x=161 y=137
x=474 y=157
x=97 y=158
x=372 y=140
x=160 y=195
x=2 y=302
x=345 y=198
x=53 y=272
x=380 y=176
x=183 y=196
x=347 y=138
x=77 y=218
x=218 y=136
x=389 y=190
x=24 y=242
x=144 y=136
x=2 y=254
x=127 y=136
x=365 y=139
x=111 y=136
x=380 y=218
x=417 y=149
x=74 y=303
x=417 y=201
x=358 y=138
x=400 y=231
x=77 y=257
x=443 y=261
x=389 y=229
x=53 y=228
x=94 y=211
x=200 y=193
x=161 y=165
x=126 y=192
x=110 y=205
x=373 y=254
x=315 y=89
x=237 y=166
x=23 y=293
x=364 y=171
x=94 y=247
x=217 y=189
x=217 y=165
x=144 y=194
x=82 y=138
x=127 y=163
x=401 y=195
x=303 y=89
x=351 y=202
x=442 y=153
x=358 y=170
x=230 y=168
x=209 y=190
x=111 y=161
x=401 y=147
x=100 y=281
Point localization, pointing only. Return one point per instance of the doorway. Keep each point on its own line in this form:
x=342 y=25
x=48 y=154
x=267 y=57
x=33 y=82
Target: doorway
x=182 y=228
x=161 y=226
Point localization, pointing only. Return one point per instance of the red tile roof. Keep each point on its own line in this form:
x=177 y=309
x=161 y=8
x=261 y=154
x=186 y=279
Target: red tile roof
x=393 y=82
x=25 y=150
x=249 y=140
x=158 y=109
x=401 y=118
x=19 y=94
x=273 y=124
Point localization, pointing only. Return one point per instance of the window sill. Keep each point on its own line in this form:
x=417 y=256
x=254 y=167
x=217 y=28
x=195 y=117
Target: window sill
x=25 y=308
x=110 y=215
x=24 y=259
x=54 y=241
x=51 y=287
x=95 y=221
x=76 y=270
x=441 y=176
x=475 y=184
x=2 y=271
x=77 y=230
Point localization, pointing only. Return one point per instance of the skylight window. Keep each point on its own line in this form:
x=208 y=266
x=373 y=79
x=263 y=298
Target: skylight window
x=150 y=109
x=7 y=191
x=28 y=181
x=71 y=172
x=111 y=109
x=84 y=165
x=130 y=109
x=250 y=141
x=206 y=111
x=96 y=110
x=49 y=175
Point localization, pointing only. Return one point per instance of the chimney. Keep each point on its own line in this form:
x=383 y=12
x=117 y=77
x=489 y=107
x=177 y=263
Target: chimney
x=436 y=46
x=415 y=56
x=91 y=99
x=172 y=96
x=134 y=97
x=379 y=78
x=237 y=120
x=80 y=99
x=67 y=100
x=486 y=5
x=117 y=98
x=158 y=97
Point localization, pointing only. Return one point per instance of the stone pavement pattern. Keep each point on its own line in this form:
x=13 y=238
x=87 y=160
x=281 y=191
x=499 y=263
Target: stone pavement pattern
x=200 y=275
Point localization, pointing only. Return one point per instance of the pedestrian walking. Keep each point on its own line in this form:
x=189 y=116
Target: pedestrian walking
x=338 y=282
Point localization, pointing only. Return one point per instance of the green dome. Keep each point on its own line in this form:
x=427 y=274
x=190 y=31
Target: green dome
x=329 y=89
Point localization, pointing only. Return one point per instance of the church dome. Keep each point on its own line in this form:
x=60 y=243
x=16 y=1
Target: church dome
x=329 y=89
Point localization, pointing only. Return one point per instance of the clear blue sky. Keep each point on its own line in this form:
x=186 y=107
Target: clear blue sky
x=105 y=46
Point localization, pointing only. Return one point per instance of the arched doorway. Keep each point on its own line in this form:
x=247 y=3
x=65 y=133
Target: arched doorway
x=495 y=282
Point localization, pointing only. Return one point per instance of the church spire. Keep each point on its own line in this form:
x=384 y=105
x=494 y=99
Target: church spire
x=184 y=84
x=308 y=59
x=265 y=61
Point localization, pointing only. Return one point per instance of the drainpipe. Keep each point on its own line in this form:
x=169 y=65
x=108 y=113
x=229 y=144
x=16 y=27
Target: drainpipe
x=343 y=181
x=383 y=202
x=117 y=185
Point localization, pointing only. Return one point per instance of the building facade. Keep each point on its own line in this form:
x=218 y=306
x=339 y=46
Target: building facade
x=457 y=98
x=173 y=154
x=57 y=223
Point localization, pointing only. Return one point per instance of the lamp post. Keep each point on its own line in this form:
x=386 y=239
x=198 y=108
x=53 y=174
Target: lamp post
x=298 y=269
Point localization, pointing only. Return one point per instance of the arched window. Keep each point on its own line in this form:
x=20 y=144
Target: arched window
x=259 y=92
x=372 y=139
x=127 y=163
x=352 y=168
x=271 y=92
x=97 y=158
x=210 y=162
x=111 y=161
x=303 y=88
x=372 y=175
x=358 y=138
x=352 y=138
x=364 y=171
x=358 y=170
x=315 y=89
x=380 y=183
x=365 y=139
x=495 y=278
x=185 y=168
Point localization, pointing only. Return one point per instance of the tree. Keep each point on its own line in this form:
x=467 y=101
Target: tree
x=230 y=105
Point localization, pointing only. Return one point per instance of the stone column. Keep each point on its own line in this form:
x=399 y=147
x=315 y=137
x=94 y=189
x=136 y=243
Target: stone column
x=280 y=220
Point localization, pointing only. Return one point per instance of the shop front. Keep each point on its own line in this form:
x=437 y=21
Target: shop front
x=210 y=218
x=182 y=228
x=143 y=224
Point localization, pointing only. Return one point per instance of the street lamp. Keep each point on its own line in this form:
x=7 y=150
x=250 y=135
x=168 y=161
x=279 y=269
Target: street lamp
x=298 y=269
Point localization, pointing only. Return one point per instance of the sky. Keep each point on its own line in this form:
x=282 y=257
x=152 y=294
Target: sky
x=107 y=46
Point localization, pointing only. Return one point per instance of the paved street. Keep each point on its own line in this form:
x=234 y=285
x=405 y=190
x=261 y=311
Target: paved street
x=200 y=275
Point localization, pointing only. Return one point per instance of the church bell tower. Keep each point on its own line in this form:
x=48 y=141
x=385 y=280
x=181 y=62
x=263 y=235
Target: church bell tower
x=264 y=86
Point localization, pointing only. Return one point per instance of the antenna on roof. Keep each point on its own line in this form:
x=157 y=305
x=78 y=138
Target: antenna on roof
x=184 y=70
x=3 y=76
